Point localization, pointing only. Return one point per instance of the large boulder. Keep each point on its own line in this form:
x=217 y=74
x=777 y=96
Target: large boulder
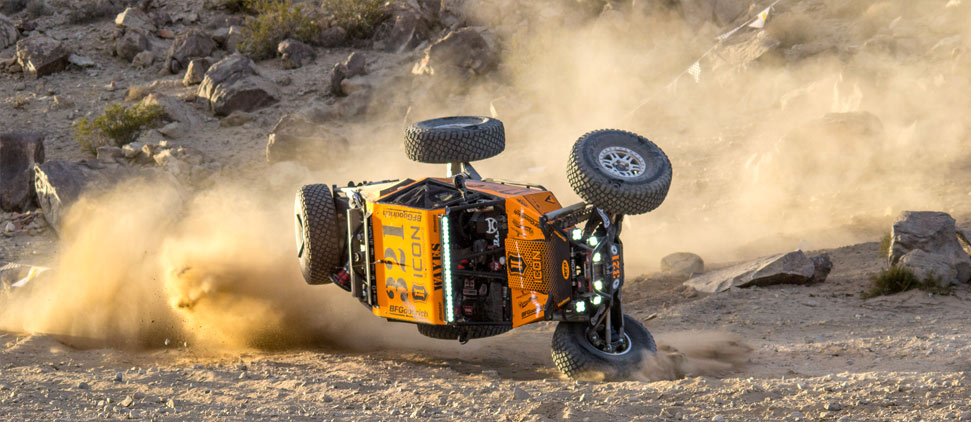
x=59 y=184
x=196 y=72
x=407 y=30
x=173 y=109
x=789 y=268
x=685 y=263
x=464 y=52
x=927 y=243
x=191 y=44
x=131 y=44
x=135 y=19
x=295 y=53
x=18 y=154
x=232 y=84
x=294 y=138
x=41 y=55
x=8 y=32
x=354 y=65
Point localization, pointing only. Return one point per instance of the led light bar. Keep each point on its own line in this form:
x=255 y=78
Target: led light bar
x=596 y=257
x=592 y=241
x=447 y=271
x=597 y=299
x=598 y=285
x=581 y=306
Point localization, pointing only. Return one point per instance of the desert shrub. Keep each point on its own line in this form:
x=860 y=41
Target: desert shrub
x=19 y=101
x=358 y=17
x=117 y=126
x=898 y=279
x=885 y=245
x=276 y=21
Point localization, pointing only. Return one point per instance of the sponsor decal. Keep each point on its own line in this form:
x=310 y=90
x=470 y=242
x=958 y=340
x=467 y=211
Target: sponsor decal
x=565 y=267
x=419 y=294
x=402 y=214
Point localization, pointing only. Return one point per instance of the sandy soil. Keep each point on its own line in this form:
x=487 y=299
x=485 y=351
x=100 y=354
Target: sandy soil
x=816 y=353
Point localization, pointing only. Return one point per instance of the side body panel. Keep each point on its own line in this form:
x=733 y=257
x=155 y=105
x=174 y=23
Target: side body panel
x=407 y=263
x=530 y=257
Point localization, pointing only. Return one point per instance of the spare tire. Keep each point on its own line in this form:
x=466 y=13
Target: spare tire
x=455 y=139
x=318 y=234
x=619 y=172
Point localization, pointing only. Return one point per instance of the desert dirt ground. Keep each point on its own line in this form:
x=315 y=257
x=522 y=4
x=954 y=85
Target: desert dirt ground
x=814 y=352
x=784 y=353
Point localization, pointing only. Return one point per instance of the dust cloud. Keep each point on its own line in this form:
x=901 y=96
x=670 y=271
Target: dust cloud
x=694 y=354
x=148 y=264
x=856 y=112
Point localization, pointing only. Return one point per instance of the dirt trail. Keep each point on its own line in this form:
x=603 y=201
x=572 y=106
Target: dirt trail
x=814 y=349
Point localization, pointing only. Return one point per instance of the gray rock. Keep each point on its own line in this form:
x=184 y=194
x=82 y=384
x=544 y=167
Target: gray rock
x=236 y=118
x=173 y=109
x=332 y=37
x=196 y=71
x=143 y=60
x=407 y=32
x=933 y=234
x=59 y=184
x=18 y=154
x=83 y=385
x=135 y=19
x=354 y=65
x=822 y=265
x=128 y=401
x=80 y=61
x=294 y=138
x=519 y=394
x=8 y=32
x=295 y=53
x=685 y=263
x=191 y=44
x=119 y=377
x=833 y=406
x=131 y=44
x=231 y=84
x=464 y=52
x=40 y=55
x=790 y=268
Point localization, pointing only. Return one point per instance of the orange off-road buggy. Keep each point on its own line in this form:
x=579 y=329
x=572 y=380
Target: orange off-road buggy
x=464 y=257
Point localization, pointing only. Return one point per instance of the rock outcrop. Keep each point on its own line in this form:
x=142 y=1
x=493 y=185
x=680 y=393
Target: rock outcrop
x=927 y=243
x=18 y=154
x=232 y=84
x=41 y=55
x=790 y=268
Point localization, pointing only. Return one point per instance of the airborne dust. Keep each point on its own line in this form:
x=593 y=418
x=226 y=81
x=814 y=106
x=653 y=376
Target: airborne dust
x=757 y=167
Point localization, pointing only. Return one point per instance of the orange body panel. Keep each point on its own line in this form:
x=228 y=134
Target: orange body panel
x=527 y=255
x=408 y=263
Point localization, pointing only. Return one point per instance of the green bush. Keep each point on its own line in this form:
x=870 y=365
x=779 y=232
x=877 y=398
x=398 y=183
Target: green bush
x=898 y=279
x=276 y=21
x=358 y=17
x=885 y=245
x=117 y=126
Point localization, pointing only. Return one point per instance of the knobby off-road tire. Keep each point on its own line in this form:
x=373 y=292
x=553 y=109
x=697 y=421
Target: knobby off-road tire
x=456 y=139
x=619 y=172
x=445 y=332
x=576 y=357
x=318 y=237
